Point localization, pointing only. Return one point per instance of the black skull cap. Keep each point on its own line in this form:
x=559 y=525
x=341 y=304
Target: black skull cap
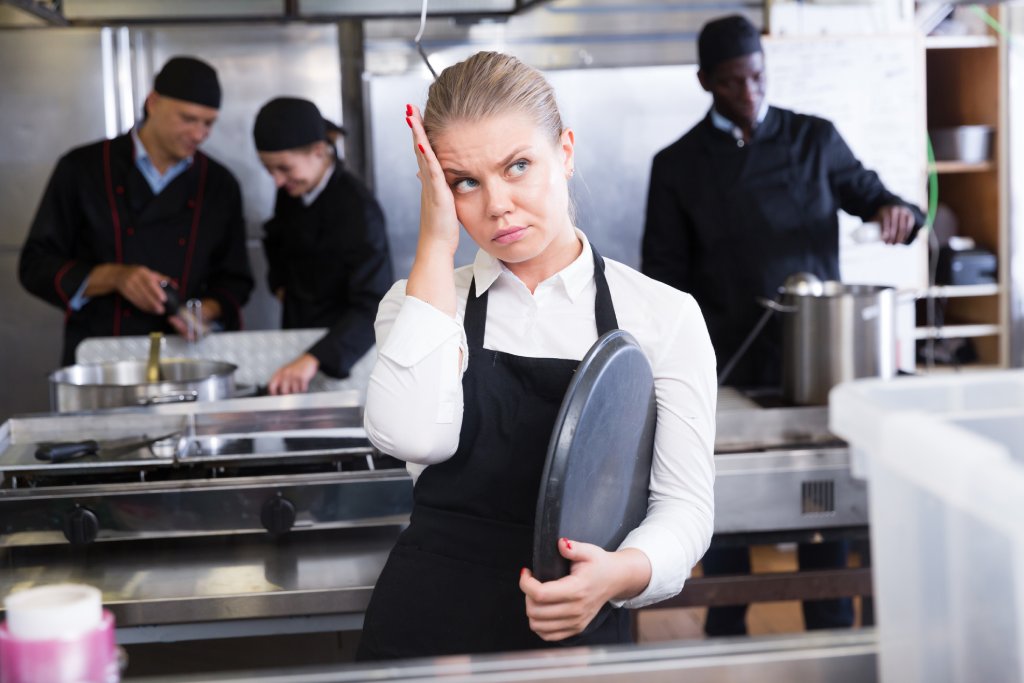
x=727 y=38
x=189 y=79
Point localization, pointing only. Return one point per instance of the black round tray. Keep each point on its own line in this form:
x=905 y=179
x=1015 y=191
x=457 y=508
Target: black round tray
x=595 y=483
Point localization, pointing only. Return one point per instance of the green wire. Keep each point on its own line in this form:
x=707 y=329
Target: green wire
x=933 y=177
x=933 y=185
x=992 y=22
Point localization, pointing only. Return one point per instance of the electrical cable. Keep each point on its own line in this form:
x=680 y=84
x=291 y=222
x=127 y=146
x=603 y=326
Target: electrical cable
x=991 y=21
x=419 y=37
x=933 y=252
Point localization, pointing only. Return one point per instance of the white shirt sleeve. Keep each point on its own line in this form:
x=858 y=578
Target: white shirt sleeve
x=414 y=396
x=680 y=514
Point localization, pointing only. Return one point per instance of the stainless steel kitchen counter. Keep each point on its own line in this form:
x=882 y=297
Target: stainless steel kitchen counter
x=824 y=656
x=210 y=586
x=216 y=578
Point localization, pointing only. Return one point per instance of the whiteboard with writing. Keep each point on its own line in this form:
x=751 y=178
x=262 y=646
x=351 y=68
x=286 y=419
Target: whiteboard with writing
x=872 y=88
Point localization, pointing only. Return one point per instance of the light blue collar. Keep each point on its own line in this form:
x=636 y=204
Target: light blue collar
x=157 y=181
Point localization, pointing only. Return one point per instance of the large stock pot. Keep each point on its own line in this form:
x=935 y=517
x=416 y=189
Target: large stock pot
x=95 y=386
x=834 y=332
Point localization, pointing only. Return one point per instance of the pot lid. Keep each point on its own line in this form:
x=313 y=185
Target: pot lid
x=803 y=284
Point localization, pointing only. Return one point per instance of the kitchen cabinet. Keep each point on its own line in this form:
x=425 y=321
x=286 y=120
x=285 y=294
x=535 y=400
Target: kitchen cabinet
x=965 y=86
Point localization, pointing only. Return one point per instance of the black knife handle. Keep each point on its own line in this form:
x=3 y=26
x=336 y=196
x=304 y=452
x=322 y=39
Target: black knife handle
x=62 y=451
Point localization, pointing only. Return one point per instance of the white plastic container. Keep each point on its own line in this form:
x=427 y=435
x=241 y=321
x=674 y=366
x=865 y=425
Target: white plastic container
x=58 y=634
x=944 y=459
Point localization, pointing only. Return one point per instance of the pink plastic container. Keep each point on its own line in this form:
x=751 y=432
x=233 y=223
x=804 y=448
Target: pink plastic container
x=84 y=654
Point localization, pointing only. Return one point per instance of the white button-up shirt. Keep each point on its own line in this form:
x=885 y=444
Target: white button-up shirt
x=414 y=398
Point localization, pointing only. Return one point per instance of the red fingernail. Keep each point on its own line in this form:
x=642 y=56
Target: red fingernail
x=522 y=572
x=568 y=543
x=422 y=151
x=408 y=110
x=409 y=121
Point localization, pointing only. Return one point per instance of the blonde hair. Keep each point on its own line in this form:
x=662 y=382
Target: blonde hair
x=490 y=84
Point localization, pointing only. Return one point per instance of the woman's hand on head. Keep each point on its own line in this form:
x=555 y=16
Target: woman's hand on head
x=563 y=608
x=439 y=224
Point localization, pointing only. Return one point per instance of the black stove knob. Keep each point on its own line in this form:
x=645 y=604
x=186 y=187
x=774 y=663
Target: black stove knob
x=81 y=526
x=278 y=515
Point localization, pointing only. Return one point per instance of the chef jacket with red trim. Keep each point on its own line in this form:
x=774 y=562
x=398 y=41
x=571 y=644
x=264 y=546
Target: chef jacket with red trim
x=98 y=208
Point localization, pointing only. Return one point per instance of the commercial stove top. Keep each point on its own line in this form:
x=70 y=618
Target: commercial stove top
x=270 y=464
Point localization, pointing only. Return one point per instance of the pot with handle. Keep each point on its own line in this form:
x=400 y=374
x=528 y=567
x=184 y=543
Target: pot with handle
x=832 y=334
x=95 y=386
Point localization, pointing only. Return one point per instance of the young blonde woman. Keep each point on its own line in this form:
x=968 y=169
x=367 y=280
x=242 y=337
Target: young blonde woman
x=326 y=247
x=473 y=364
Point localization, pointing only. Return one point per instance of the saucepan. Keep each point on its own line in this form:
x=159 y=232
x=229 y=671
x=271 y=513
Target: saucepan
x=95 y=386
x=833 y=332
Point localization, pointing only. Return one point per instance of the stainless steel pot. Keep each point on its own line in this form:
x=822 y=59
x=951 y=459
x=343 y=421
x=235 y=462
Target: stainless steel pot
x=96 y=386
x=833 y=333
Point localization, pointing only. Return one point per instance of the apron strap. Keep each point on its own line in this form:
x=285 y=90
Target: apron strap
x=475 y=319
x=604 y=311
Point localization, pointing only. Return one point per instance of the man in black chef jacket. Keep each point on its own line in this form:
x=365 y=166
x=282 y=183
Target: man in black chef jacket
x=326 y=246
x=744 y=199
x=121 y=216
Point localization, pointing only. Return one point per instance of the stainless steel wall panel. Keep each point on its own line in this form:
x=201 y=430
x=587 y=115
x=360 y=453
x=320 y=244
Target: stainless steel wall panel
x=394 y=166
x=335 y=8
x=31 y=336
x=52 y=82
x=11 y=17
x=53 y=87
x=562 y=34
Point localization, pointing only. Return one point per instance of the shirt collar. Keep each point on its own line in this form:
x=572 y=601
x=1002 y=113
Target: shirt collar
x=574 y=277
x=310 y=197
x=726 y=126
x=142 y=155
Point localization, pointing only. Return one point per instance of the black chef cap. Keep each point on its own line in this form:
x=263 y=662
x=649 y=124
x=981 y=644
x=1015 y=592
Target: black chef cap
x=288 y=123
x=726 y=38
x=189 y=79
x=332 y=127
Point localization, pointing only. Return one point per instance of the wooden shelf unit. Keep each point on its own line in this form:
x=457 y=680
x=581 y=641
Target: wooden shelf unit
x=959 y=42
x=964 y=167
x=963 y=80
x=958 y=291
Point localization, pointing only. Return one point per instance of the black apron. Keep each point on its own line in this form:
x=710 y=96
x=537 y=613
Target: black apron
x=451 y=583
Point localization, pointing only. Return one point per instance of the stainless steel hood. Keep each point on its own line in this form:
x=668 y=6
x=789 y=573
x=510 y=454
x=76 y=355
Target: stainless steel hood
x=115 y=12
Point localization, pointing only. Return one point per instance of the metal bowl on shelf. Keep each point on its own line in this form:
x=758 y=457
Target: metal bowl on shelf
x=966 y=144
x=95 y=386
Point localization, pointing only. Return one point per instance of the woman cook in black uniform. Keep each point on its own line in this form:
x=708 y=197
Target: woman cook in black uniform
x=326 y=245
x=472 y=367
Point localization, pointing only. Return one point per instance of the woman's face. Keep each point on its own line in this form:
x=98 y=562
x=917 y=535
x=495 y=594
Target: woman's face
x=296 y=170
x=509 y=180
